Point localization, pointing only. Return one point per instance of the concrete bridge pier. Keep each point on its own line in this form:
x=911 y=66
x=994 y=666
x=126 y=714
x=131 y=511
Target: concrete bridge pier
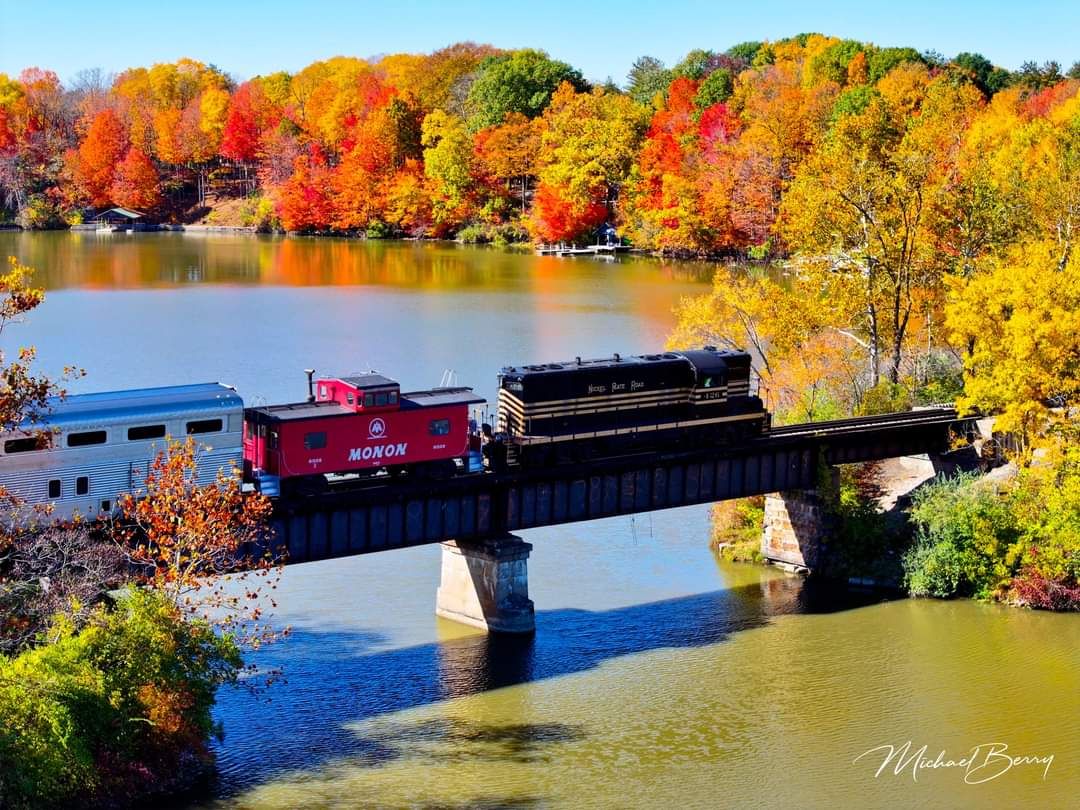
x=485 y=584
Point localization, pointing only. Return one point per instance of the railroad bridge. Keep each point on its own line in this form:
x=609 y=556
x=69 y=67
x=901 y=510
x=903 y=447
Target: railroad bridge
x=484 y=570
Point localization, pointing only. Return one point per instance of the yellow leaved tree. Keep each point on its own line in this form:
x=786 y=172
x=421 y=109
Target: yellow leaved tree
x=809 y=368
x=1021 y=323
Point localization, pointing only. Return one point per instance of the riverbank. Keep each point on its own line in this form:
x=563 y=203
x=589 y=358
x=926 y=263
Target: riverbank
x=497 y=236
x=946 y=529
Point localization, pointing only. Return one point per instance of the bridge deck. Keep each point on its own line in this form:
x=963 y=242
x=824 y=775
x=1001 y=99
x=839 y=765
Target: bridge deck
x=381 y=516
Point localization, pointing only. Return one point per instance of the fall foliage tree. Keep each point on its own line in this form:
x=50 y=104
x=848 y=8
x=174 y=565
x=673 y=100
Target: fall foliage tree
x=588 y=144
x=304 y=199
x=99 y=154
x=859 y=207
x=1020 y=322
x=804 y=364
x=24 y=395
x=448 y=163
x=245 y=121
x=205 y=547
x=510 y=152
x=135 y=184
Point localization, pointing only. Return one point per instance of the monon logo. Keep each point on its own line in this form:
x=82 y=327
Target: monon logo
x=378 y=451
x=376 y=428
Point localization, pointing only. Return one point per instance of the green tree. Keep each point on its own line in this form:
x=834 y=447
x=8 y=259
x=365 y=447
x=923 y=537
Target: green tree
x=646 y=78
x=885 y=59
x=965 y=538
x=715 y=88
x=114 y=709
x=521 y=82
x=832 y=63
x=987 y=78
x=1035 y=77
x=747 y=51
x=694 y=65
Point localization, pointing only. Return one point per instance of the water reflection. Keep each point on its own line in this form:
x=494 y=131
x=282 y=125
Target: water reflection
x=142 y=260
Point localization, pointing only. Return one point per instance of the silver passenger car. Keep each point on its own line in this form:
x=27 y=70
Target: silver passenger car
x=101 y=444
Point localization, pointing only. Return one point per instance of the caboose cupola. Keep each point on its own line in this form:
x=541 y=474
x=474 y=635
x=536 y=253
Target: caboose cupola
x=363 y=393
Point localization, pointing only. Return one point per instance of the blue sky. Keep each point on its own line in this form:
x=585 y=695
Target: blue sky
x=601 y=38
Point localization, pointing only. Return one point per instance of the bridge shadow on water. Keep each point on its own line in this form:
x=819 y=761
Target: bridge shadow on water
x=337 y=679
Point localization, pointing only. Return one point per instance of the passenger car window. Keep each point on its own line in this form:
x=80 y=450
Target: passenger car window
x=22 y=445
x=314 y=441
x=82 y=485
x=54 y=488
x=204 y=426
x=144 y=432
x=439 y=427
x=86 y=438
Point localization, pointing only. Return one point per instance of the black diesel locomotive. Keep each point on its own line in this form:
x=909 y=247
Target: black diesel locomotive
x=564 y=412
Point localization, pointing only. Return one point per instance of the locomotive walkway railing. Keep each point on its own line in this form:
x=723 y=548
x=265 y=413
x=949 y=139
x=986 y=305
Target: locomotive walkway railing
x=380 y=516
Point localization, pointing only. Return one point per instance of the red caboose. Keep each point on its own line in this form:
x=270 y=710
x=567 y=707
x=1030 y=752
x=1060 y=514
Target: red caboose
x=360 y=424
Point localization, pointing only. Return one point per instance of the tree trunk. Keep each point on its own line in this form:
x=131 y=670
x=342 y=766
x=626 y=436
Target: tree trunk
x=873 y=345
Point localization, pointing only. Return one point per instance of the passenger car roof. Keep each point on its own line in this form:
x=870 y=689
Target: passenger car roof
x=136 y=404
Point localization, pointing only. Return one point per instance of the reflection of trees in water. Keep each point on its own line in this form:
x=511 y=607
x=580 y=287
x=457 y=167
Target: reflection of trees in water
x=336 y=262
x=117 y=260
x=88 y=259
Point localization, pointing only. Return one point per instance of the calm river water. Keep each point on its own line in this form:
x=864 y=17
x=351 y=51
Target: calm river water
x=659 y=676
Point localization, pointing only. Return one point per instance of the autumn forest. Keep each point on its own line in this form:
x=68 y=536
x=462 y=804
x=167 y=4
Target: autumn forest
x=899 y=225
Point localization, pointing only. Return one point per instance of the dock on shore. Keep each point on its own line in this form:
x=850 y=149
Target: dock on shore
x=573 y=250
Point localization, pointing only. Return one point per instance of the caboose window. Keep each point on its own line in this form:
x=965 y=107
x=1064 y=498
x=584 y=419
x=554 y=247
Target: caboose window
x=82 y=485
x=86 y=438
x=273 y=440
x=380 y=399
x=393 y=397
x=144 y=432
x=314 y=441
x=369 y=400
x=439 y=427
x=21 y=445
x=349 y=397
x=204 y=426
x=54 y=488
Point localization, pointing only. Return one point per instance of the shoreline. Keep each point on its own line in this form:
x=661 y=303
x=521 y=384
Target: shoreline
x=718 y=259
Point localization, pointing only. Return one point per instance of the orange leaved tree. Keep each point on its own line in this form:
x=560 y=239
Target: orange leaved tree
x=206 y=547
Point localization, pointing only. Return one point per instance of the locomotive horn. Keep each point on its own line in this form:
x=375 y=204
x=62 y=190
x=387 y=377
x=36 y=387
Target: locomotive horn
x=310 y=384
